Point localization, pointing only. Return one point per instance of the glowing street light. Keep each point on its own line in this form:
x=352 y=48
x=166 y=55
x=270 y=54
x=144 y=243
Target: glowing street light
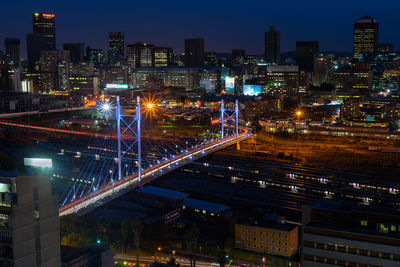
x=106 y=107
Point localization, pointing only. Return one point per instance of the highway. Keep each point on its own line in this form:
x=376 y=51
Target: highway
x=35 y=112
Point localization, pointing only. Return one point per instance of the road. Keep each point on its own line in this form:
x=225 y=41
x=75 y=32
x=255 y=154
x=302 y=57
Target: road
x=119 y=188
x=35 y=112
x=131 y=260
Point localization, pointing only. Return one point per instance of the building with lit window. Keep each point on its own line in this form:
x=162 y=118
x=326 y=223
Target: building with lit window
x=349 y=234
x=29 y=221
x=140 y=55
x=271 y=236
x=163 y=56
x=357 y=80
x=49 y=70
x=116 y=50
x=43 y=37
x=210 y=59
x=286 y=80
x=365 y=36
x=11 y=46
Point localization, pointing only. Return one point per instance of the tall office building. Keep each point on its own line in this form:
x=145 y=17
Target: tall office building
x=163 y=56
x=365 y=36
x=29 y=220
x=12 y=51
x=194 y=52
x=140 y=55
x=76 y=51
x=305 y=54
x=116 y=50
x=272 y=46
x=43 y=37
x=49 y=61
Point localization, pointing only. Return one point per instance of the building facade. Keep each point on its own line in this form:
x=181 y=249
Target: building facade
x=365 y=36
x=272 y=46
x=29 y=222
x=349 y=234
x=194 y=52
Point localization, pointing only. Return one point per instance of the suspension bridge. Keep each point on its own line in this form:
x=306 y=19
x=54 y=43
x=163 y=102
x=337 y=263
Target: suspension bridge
x=120 y=159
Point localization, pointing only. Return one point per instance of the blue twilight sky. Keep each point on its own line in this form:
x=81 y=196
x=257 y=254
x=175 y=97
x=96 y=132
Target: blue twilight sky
x=223 y=24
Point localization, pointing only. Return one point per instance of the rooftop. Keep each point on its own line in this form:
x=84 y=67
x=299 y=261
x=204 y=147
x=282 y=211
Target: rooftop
x=204 y=205
x=162 y=192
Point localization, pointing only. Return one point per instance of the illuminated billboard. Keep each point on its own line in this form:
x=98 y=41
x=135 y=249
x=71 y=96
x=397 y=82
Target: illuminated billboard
x=116 y=86
x=38 y=162
x=229 y=84
x=208 y=86
x=251 y=90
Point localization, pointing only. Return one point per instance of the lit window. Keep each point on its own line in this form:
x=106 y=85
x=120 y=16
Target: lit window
x=364 y=223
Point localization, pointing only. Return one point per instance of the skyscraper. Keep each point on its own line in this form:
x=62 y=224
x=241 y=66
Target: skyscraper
x=49 y=70
x=305 y=54
x=163 y=56
x=194 y=52
x=140 y=55
x=76 y=51
x=273 y=45
x=365 y=36
x=12 y=51
x=116 y=50
x=43 y=37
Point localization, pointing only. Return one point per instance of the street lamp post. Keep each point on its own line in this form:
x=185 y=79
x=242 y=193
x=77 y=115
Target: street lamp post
x=298 y=114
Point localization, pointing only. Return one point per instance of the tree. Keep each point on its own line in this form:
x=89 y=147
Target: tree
x=126 y=233
x=190 y=237
x=137 y=228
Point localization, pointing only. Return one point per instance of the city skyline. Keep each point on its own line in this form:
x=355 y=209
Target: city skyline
x=217 y=25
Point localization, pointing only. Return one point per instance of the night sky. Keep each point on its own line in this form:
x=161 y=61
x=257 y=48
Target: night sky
x=224 y=24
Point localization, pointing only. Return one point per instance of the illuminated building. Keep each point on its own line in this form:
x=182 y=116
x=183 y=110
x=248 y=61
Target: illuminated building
x=82 y=79
x=272 y=46
x=116 y=50
x=355 y=80
x=323 y=67
x=140 y=55
x=97 y=56
x=163 y=56
x=238 y=56
x=12 y=51
x=305 y=54
x=365 y=36
x=194 y=52
x=30 y=234
x=210 y=59
x=116 y=75
x=287 y=80
x=43 y=37
x=49 y=70
x=76 y=51
x=270 y=236
x=384 y=66
x=349 y=234
x=369 y=112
